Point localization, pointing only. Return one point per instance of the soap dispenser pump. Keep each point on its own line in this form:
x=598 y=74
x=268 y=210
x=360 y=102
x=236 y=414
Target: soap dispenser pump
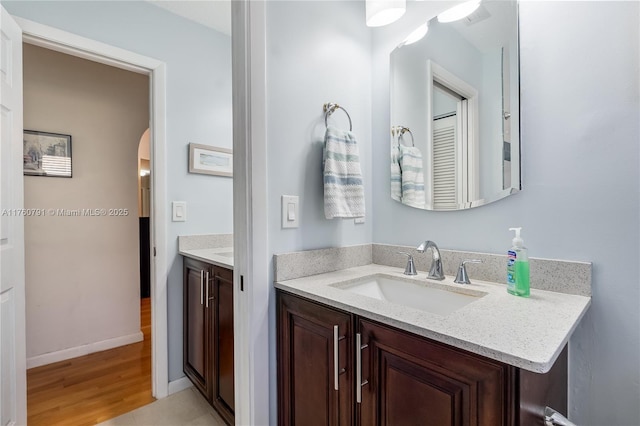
x=518 y=266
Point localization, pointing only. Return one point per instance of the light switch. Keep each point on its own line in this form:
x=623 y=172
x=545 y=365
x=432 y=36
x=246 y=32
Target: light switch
x=290 y=214
x=179 y=209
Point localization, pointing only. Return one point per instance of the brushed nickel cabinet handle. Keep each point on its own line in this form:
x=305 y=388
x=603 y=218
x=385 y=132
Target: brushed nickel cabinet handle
x=207 y=286
x=359 y=382
x=201 y=287
x=335 y=357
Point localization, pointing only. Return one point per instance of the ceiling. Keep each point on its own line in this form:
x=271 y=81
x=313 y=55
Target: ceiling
x=496 y=26
x=214 y=14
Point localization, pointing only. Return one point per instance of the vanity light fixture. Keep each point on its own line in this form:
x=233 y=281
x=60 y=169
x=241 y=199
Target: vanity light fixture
x=383 y=12
x=417 y=34
x=144 y=172
x=458 y=12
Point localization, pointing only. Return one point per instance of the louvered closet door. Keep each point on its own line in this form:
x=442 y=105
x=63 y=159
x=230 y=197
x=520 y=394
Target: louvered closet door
x=444 y=163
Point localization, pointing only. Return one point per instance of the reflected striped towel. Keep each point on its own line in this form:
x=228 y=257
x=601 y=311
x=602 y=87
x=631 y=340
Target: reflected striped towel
x=343 y=188
x=396 y=175
x=412 y=176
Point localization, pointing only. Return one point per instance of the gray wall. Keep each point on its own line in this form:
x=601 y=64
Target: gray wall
x=315 y=54
x=198 y=110
x=580 y=143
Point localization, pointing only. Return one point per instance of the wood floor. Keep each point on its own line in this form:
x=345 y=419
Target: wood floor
x=93 y=388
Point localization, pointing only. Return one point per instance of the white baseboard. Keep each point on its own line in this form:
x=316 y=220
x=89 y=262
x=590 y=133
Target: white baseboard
x=179 y=384
x=103 y=345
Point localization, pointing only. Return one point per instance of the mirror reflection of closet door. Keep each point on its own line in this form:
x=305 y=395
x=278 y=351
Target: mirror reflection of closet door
x=446 y=148
x=443 y=180
x=450 y=178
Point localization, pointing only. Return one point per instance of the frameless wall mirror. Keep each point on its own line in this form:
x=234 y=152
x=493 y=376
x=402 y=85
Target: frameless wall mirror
x=455 y=112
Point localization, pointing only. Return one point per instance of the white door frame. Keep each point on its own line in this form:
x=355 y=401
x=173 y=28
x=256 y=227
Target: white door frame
x=72 y=44
x=13 y=393
x=469 y=172
x=252 y=283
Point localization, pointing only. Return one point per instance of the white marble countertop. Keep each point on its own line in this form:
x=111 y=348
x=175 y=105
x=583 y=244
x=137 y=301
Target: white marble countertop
x=220 y=256
x=528 y=333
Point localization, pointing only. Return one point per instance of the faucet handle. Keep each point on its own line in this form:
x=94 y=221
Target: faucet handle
x=410 y=269
x=461 y=276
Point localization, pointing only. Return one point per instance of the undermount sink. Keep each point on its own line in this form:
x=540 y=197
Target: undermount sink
x=416 y=295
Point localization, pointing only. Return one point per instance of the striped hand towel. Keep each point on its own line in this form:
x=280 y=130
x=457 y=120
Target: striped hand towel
x=396 y=175
x=412 y=176
x=343 y=188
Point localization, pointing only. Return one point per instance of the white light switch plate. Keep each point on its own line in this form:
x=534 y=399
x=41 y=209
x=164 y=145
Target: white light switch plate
x=290 y=211
x=179 y=211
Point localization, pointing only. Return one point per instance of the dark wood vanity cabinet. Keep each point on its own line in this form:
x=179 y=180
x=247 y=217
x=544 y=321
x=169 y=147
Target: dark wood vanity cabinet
x=197 y=334
x=315 y=364
x=208 y=333
x=222 y=347
x=411 y=380
x=405 y=379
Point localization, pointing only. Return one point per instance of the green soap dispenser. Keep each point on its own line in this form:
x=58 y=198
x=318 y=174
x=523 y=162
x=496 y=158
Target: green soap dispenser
x=518 y=267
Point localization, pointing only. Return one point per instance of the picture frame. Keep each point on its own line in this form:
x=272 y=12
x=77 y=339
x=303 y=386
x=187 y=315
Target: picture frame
x=210 y=160
x=46 y=154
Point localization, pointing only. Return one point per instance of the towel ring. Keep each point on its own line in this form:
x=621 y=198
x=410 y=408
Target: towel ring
x=400 y=131
x=330 y=108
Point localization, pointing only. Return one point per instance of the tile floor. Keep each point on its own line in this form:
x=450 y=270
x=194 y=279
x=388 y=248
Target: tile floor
x=184 y=408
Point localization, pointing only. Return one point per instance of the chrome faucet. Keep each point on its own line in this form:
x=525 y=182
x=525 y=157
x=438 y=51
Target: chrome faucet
x=462 y=277
x=435 y=273
x=410 y=269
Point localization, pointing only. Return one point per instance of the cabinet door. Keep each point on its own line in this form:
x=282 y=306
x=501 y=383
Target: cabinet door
x=538 y=391
x=308 y=336
x=222 y=347
x=196 y=359
x=415 y=381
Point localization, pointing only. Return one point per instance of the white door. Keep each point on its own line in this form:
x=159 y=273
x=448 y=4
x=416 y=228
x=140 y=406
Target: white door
x=13 y=391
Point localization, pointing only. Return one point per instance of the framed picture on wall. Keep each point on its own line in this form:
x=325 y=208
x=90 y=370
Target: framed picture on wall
x=210 y=160
x=46 y=154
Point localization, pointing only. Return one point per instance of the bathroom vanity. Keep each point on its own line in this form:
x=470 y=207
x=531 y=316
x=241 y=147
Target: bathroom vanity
x=404 y=378
x=208 y=325
x=347 y=355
